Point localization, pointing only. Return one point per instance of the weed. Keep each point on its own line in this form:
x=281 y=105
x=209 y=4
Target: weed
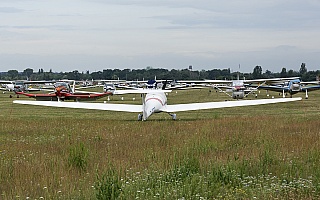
x=78 y=157
x=107 y=185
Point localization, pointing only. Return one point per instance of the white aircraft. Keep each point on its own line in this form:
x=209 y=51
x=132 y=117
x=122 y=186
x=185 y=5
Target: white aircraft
x=10 y=85
x=240 y=88
x=154 y=101
x=19 y=86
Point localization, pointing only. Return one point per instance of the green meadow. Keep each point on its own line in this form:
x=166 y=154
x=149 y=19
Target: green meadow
x=256 y=152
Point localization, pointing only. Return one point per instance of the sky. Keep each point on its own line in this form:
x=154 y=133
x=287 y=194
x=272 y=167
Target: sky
x=134 y=34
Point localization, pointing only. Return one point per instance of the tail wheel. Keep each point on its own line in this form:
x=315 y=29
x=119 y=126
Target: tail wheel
x=140 y=117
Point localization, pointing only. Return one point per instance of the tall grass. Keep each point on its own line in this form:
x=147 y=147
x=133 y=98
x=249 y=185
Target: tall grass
x=268 y=151
x=78 y=156
x=108 y=185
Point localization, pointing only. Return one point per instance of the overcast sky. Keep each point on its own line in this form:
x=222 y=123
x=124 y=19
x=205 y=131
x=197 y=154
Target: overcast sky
x=100 y=34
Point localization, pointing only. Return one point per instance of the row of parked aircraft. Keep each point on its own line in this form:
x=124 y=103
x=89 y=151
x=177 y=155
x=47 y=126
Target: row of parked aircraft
x=239 y=88
x=242 y=88
x=154 y=99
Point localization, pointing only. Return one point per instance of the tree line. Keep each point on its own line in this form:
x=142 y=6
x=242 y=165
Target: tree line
x=151 y=73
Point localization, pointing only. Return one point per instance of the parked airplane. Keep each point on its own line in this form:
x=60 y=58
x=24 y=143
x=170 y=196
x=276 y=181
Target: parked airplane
x=20 y=86
x=16 y=85
x=292 y=87
x=63 y=91
x=109 y=87
x=240 y=88
x=154 y=101
x=7 y=85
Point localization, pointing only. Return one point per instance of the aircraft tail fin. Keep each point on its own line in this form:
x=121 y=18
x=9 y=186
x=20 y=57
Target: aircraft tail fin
x=164 y=85
x=73 y=86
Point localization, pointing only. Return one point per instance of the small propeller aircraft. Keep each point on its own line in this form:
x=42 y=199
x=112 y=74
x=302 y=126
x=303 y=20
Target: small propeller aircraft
x=292 y=87
x=20 y=86
x=63 y=91
x=240 y=88
x=154 y=101
x=7 y=85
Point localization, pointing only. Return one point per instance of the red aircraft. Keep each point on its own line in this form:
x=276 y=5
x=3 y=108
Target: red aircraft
x=63 y=92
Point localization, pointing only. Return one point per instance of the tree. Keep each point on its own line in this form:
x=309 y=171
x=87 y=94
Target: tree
x=268 y=74
x=290 y=73
x=28 y=72
x=283 y=73
x=13 y=74
x=303 y=69
x=257 y=72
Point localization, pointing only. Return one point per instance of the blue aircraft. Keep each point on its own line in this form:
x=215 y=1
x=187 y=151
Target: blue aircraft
x=292 y=87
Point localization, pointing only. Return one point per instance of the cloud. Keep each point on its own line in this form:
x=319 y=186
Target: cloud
x=10 y=10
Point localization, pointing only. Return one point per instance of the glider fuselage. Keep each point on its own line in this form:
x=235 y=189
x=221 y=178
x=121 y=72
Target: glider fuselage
x=153 y=103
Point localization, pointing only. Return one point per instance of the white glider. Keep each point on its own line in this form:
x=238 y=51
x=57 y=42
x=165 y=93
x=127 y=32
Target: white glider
x=154 y=101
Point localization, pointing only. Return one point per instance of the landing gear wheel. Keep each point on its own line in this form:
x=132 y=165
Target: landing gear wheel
x=174 y=116
x=140 y=117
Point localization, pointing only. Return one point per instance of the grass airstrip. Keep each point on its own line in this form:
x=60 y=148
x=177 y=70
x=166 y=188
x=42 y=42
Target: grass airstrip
x=257 y=152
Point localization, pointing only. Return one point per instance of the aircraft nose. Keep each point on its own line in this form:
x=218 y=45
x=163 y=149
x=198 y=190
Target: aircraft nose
x=295 y=87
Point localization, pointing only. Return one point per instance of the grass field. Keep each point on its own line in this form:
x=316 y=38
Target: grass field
x=256 y=152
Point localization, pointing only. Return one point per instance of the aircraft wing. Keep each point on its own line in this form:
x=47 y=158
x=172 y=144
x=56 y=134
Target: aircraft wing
x=267 y=80
x=37 y=82
x=85 y=87
x=206 y=81
x=67 y=96
x=139 y=91
x=270 y=80
x=168 y=108
x=274 y=88
x=310 y=82
x=88 y=92
x=37 y=95
x=188 y=88
x=6 y=82
x=310 y=88
x=86 y=95
x=111 y=80
x=224 y=104
x=93 y=106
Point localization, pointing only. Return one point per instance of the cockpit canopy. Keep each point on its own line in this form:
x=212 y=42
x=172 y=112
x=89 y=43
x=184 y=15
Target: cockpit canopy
x=63 y=86
x=151 y=84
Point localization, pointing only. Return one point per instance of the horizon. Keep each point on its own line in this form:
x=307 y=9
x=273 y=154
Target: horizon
x=147 y=68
